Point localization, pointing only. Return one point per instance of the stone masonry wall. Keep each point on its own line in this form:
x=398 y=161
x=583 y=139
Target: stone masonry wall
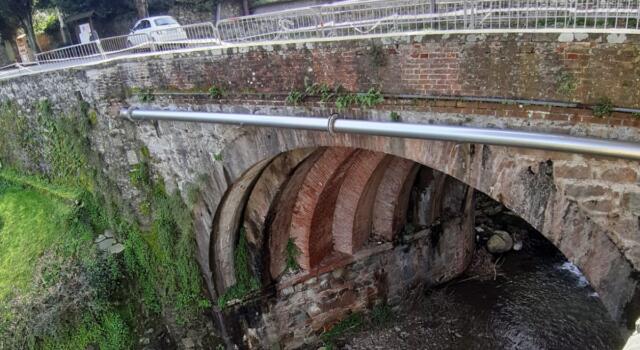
x=304 y=306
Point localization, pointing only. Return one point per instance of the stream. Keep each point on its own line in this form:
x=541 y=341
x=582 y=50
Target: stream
x=538 y=300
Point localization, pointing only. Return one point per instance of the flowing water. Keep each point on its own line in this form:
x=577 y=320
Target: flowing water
x=538 y=301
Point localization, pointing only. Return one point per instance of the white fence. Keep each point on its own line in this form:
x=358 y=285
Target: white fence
x=358 y=18
x=202 y=34
x=369 y=17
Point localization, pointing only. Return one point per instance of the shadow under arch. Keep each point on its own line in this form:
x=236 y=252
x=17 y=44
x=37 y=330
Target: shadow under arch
x=522 y=180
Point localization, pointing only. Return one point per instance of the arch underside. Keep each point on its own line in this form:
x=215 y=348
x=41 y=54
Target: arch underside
x=294 y=196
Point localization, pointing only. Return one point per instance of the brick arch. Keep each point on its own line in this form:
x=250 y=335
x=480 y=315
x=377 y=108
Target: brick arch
x=353 y=208
x=259 y=204
x=533 y=184
x=312 y=215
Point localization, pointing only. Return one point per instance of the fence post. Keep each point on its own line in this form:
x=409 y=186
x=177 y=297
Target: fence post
x=100 y=49
x=472 y=15
x=575 y=14
x=152 y=42
x=320 y=23
x=465 y=14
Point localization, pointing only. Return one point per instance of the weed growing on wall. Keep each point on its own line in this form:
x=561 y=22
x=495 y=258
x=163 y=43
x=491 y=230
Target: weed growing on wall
x=566 y=84
x=145 y=95
x=295 y=97
x=17 y=136
x=216 y=92
x=343 y=99
x=163 y=257
x=603 y=108
x=292 y=253
x=246 y=283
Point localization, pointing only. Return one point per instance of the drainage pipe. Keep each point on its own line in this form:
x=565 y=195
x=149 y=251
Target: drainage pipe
x=500 y=137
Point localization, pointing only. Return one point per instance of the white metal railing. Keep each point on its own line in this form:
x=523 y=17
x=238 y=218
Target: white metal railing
x=80 y=52
x=356 y=18
x=365 y=18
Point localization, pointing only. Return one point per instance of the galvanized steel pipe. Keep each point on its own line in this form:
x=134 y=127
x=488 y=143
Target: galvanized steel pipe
x=500 y=137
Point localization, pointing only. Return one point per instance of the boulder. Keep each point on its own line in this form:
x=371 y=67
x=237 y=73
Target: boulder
x=500 y=242
x=106 y=243
x=116 y=248
x=188 y=343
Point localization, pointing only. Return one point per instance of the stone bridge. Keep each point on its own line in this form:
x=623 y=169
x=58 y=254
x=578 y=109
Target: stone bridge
x=333 y=195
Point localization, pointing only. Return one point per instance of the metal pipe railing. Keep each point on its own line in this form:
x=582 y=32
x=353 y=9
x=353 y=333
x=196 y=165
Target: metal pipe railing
x=499 y=137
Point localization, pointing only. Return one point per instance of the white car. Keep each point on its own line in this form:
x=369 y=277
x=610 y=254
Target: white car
x=162 y=29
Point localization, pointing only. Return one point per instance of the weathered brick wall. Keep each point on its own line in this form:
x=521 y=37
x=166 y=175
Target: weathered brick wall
x=533 y=66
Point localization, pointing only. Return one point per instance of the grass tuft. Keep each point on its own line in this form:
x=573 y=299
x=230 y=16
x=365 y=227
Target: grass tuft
x=351 y=323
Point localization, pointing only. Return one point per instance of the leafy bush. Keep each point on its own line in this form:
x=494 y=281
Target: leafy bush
x=44 y=21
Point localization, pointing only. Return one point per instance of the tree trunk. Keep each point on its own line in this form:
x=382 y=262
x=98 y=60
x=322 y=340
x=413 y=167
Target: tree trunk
x=142 y=7
x=63 y=27
x=14 y=47
x=245 y=7
x=27 y=23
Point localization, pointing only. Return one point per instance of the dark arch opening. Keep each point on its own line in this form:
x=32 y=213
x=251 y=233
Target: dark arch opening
x=422 y=218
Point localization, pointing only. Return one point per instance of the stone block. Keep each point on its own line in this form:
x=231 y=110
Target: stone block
x=620 y=175
x=567 y=171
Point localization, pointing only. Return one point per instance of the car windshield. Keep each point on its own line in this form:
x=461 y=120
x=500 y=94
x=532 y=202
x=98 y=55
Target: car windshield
x=165 y=21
